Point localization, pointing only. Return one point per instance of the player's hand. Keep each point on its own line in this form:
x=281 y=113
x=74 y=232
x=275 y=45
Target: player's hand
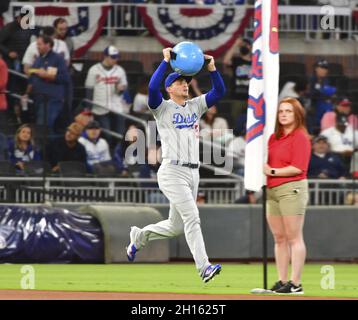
x=211 y=64
x=166 y=54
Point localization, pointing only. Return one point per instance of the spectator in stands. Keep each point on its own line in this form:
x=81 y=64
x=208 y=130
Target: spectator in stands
x=212 y=126
x=22 y=148
x=13 y=43
x=106 y=82
x=84 y=117
x=32 y=51
x=47 y=83
x=140 y=104
x=321 y=92
x=343 y=107
x=97 y=149
x=241 y=67
x=324 y=164
x=68 y=148
x=3 y=84
x=61 y=33
x=296 y=89
x=341 y=138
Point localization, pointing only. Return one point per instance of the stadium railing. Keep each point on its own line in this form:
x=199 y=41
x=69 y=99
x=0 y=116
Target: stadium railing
x=310 y=21
x=145 y=191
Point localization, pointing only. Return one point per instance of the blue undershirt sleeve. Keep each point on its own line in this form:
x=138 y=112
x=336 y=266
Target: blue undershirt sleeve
x=154 y=95
x=218 y=90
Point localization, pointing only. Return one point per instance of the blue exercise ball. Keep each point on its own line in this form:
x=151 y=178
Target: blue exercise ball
x=187 y=58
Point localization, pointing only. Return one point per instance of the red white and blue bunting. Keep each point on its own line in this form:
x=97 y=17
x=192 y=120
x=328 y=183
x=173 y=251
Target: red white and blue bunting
x=213 y=28
x=85 y=20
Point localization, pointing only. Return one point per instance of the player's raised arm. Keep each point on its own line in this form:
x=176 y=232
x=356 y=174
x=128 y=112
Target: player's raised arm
x=154 y=95
x=218 y=89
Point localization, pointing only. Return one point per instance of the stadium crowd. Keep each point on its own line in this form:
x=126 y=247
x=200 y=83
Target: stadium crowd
x=44 y=116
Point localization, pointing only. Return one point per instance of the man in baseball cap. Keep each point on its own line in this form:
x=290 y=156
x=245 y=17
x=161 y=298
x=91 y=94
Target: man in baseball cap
x=174 y=76
x=111 y=52
x=322 y=63
x=343 y=107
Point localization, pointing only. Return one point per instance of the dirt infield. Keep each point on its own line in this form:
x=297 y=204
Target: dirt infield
x=71 y=295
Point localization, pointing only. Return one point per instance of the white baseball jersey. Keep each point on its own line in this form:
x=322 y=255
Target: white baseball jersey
x=96 y=152
x=104 y=83
x=178 y=127
x=32 y=52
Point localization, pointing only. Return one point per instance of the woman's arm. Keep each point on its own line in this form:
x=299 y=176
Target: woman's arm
x=289 y=171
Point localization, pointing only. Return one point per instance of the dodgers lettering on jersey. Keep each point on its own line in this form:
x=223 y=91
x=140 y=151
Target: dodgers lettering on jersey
x=181 y=121
x=178 y=128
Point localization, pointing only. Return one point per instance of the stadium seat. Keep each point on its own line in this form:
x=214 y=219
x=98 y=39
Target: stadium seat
x=340 y=82
x=3 y=147
x=7 y=169
x=289 y=68
x=353 y=84
x=131 y=66
x=36 y=168
x=105 y=169
x=72 y=169
x=335 y=69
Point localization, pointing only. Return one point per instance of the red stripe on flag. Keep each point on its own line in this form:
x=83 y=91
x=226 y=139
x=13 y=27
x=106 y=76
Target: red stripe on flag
x=254 y=132
x=274 y=48
x=52 y=11
x=195 y=12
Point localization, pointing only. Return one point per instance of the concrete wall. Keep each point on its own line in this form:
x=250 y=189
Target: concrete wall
x=235 y=232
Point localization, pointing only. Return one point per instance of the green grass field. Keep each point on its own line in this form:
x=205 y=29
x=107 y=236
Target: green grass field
x=175 y=278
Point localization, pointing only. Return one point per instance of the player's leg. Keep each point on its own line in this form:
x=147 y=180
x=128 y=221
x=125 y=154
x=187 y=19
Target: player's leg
x=175 y=185
x=169 y=228
x=210 y=271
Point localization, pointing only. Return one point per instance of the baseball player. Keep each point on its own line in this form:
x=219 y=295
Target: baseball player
x=178 y=176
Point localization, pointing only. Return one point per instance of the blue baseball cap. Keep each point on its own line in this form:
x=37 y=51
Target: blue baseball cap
x=175 y=76
x=111 y=51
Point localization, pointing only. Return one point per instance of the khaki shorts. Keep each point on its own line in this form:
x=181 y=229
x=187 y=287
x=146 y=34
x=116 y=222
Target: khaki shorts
x=290 y=198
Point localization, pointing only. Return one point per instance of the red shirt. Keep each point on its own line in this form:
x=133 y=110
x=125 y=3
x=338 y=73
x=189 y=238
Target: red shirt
x=294 y=150
x=3 y=84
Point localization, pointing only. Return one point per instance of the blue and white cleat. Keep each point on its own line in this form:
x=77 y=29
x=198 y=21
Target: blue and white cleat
x=210 y=272
x=131 y=249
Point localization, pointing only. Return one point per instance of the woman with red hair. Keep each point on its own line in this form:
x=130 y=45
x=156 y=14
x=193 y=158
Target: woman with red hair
x=289 y=152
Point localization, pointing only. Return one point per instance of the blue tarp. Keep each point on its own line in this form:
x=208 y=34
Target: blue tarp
x=44 y=234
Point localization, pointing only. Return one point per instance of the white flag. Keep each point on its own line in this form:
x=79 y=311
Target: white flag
x=263 y=92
